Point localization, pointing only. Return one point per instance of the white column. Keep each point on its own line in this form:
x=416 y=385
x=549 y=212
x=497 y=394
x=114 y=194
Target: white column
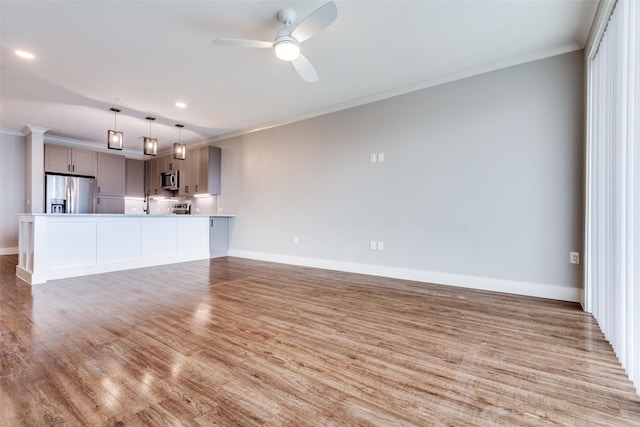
x=34 y=168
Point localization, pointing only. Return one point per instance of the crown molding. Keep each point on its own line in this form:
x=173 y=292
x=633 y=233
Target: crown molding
x=27 y=129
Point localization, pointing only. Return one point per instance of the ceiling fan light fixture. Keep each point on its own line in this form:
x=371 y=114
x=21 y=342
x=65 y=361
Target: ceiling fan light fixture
x=287 y=49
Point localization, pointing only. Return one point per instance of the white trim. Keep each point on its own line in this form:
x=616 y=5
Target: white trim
x=119 y=266
x=556 y=292
x=27 y=129
x=9 y=251
x=13 y=132
x=600 y=21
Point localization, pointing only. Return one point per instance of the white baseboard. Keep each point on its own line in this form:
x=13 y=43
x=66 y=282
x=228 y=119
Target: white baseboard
x=43 y=276
x=562 y=293
x=9 y=251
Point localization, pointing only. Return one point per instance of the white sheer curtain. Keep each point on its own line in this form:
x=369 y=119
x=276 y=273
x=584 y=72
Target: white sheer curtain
x=612 y=280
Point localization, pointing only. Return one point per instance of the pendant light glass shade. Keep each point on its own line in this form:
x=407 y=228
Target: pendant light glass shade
x=179 y=149
x=150 y=145
x=115 y=138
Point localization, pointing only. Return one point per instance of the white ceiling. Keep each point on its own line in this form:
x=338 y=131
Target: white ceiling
x=143 y=56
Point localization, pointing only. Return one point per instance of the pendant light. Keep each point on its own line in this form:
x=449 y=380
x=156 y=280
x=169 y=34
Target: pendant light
x=179 y=149
x=115 y=138
x=150 y=145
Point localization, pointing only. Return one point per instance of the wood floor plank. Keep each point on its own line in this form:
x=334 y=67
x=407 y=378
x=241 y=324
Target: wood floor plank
x=240 y=342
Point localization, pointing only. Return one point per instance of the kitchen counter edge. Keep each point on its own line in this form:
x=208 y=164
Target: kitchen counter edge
x=52 y=215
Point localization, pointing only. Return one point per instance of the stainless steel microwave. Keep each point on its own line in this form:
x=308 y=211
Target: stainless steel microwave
x=170 y=180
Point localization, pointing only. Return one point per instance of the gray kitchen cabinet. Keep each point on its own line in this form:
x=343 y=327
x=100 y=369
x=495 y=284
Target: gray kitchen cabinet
x=57 y=159
x=111 y=183
x=67 y=160
x=186 y=171
x=134 y=185
x=152 y=177
x=218 y=237
x=110 y=205
x=184 y=177
x=168 y=163
x=205 y=173
x=84 y=162
x=200 y=171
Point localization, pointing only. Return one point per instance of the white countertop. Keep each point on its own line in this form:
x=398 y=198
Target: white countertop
x=126 y=215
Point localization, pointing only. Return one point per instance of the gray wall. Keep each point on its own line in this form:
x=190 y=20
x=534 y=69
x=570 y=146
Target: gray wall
x=481 y=178
x=12 y=190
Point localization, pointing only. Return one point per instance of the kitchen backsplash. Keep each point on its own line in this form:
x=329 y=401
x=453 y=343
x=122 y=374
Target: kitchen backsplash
x=134 y=206
x=199 y=205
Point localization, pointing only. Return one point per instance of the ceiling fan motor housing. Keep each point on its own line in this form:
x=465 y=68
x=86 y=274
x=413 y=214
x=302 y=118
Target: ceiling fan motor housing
x=287 y=16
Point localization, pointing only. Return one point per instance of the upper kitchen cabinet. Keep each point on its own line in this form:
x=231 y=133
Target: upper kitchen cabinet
x=134 y=186
x=204 y=174
x=168 y=163
x=184 y=179
x=67 y=160
x=152 y=177
x=187 y=166
x=111 y=174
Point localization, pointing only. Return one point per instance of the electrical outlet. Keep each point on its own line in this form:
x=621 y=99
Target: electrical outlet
x=380 y=157
x=373 y=158
x=380 y=245
x=373 y=245
x=295 y=240
x=574 y=257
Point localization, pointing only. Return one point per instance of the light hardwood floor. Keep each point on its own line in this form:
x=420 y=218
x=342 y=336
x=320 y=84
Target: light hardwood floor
x=239 y=342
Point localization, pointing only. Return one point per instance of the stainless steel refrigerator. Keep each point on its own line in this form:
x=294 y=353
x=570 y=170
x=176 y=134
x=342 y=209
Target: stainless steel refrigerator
x=70 y=194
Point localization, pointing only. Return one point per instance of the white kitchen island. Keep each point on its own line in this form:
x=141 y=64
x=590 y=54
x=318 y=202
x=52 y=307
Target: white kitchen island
x=55 y=246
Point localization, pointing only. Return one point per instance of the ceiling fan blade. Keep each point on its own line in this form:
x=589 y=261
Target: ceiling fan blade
x=243 y=43
x=305 y=69
x=315 y=22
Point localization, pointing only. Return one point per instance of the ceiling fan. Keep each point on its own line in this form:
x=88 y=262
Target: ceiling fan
x=288 y=39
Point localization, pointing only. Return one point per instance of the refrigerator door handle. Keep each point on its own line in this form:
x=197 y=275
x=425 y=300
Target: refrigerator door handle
x=69 y=196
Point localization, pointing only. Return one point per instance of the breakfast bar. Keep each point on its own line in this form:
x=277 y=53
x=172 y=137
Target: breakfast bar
x=57 y=246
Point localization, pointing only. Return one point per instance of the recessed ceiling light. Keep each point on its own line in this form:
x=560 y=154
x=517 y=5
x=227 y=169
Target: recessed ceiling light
x=181 y=104
x=23 y=54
